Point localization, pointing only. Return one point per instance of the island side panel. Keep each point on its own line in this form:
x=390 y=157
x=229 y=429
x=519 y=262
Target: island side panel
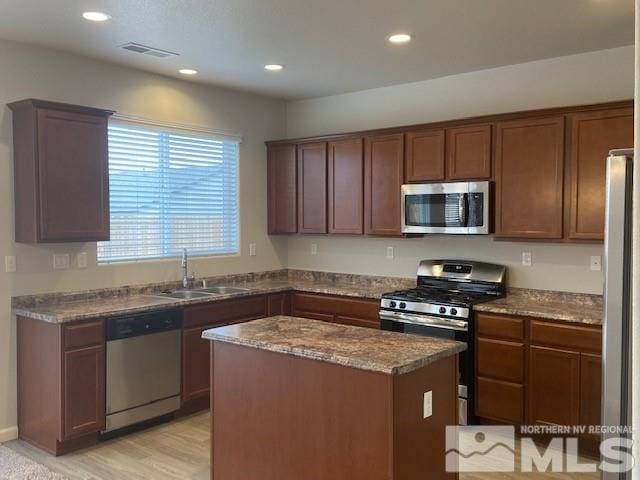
x=281 y=417
x=419 y=442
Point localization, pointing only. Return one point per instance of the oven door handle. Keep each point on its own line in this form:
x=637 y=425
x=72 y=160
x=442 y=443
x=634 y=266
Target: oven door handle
x=425 y=321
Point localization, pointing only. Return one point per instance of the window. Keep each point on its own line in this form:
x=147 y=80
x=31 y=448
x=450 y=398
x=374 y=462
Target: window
x=170 y=191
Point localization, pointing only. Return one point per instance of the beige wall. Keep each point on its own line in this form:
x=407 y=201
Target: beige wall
x=34 y=72
x=578 y=79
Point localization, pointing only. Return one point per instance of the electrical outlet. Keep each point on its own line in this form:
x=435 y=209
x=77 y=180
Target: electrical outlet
x=526 y=259
x=596 y=263
x=9 y=264
x=314 y=249
x=390 y=253
x=427 y=404
x=61 y=261
x=252 y=249
x=81 y=260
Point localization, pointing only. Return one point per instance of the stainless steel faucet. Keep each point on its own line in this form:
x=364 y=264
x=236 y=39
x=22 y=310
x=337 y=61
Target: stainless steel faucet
x=186 y=279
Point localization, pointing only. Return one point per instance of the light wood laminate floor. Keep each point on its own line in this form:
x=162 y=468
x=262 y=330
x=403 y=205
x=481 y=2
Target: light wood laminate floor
x=180 y=450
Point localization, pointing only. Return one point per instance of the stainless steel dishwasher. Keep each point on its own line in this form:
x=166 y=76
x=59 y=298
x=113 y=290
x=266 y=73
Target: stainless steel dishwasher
x=143 y=367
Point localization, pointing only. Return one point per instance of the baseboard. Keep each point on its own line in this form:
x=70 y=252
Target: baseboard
x=7 y=434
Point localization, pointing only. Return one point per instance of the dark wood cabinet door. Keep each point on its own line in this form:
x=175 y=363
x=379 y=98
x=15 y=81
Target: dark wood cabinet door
x=500 y=401
x=383 y=176
x=312 y=188
x=424 y=161
x=592 y=135
x=282 y=189
x=590 y=389
x=73 y=174
x=469 y=152
x=195 y=364
x=554 y=386
x=279 y=304
x=84 y=391
x=346 y=183
x=529 y=177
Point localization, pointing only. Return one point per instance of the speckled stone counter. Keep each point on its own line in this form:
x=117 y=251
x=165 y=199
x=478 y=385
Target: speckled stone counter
x=74 y=306
x=362 y=348
x=561 y=306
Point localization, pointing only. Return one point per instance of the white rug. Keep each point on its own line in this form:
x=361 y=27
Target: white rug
x=16 y=467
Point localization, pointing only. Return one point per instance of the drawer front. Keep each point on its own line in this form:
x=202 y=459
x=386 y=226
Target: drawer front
x=366 y=309
x=356 y=321
x=84 y=334
x=565 y=336
x=226 y=311
x=500 y=360
x=325 y=317
x=499 y=326
x=498 y=400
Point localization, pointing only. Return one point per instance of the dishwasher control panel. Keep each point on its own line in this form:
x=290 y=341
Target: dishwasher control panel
x=143 y=324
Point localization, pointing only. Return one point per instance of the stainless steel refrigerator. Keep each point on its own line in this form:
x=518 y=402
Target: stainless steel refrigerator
x=616 y=348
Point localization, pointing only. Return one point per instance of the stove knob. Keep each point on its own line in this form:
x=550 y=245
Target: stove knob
x=403 y=305
x=454 y=311
x=443 y=310
x=392 y=304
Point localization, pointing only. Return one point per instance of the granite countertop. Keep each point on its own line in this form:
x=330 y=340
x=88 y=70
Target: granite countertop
x=362 y=348
x=73 y=307
x=561 y=306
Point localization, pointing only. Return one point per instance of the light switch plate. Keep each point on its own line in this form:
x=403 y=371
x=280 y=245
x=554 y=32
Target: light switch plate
x=526 y=259
x=61 y=261
x=10 y=264
x=427 y=404
x=252 y=249
x=596 y=263
x=314 y=249
x=81 y=260
x=390 y=253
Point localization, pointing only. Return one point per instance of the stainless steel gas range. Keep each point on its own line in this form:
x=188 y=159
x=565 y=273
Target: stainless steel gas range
x=441 y=305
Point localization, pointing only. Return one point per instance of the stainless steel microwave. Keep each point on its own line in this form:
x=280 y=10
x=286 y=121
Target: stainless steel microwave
x=455 y=208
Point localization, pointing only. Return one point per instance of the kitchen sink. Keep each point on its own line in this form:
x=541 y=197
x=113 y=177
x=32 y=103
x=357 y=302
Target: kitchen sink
x=184 y=294
x=223 y=290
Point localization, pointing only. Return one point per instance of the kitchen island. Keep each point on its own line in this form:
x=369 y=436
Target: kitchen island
x=295 y=399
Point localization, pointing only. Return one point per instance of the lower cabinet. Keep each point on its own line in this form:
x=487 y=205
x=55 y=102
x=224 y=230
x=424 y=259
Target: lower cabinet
x=195 y=351
x=537 y=372
x=279 y=304
x=329 y=308
x=61 y=383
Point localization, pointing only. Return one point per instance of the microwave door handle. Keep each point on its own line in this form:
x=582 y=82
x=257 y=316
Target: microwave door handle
x=462 y=209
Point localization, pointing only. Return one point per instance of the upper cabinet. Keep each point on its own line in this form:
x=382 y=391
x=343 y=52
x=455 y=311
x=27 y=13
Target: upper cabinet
x=425 y=156
x=61 y=172
x=282 y=189
x=469 y=152
x=547 y=169
x=529 y=178
x=346 y=185
x=312 y=188
x=383 y=175
x=591 y=136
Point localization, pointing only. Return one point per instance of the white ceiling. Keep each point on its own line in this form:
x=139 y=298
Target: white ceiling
x=328 y=46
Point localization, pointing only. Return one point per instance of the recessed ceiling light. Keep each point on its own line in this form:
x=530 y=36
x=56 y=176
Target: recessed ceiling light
x=400 y=38
x=188 y=71
x=273 y=67
x=96 y=16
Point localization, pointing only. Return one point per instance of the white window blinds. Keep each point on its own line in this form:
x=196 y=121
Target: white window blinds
x=170 y=191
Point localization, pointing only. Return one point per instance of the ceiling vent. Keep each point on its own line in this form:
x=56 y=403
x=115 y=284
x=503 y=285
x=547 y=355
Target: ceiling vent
x=145 y=50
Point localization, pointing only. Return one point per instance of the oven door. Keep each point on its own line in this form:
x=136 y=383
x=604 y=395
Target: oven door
x=457 y=330
x=458 y=208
